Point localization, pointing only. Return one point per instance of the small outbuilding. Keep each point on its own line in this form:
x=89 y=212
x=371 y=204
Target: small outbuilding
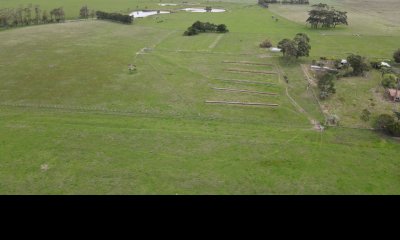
x=385 y=64
x=274 y=49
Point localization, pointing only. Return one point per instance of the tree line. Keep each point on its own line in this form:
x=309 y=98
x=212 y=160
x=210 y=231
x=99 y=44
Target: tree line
x=325 y=16
x=84 y=12
x=266 y=2
x=114 y=17
x=199 y=27
x=29 y=15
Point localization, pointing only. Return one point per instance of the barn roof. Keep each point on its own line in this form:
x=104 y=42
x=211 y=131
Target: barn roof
x=393 y=92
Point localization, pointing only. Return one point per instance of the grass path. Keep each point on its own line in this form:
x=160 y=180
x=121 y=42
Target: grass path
x=213 y=44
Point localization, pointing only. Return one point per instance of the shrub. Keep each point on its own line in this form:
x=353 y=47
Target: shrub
x=365 y=115
x=332 y=120
x=389 y=81
x=358 y=63
x=114 y=17
x=190 y=31
x=394 y=129
x=222 y=28
x=198 y=27
x=266 y=44
x=396 y=56
x=375 y=65
x=384 y=121
x=397 y=114
x=326 y=85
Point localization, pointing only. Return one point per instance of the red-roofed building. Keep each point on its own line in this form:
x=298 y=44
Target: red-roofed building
x=394 y=94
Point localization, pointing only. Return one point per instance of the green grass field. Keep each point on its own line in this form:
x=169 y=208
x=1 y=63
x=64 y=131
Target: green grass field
x=68 y=101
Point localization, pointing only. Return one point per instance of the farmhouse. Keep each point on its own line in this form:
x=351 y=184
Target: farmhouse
x=394 y=94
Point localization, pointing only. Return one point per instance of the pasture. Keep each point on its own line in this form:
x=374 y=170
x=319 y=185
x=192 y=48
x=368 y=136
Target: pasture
x=73 y=120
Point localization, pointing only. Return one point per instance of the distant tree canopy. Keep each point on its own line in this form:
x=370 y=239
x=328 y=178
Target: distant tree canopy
x=298 y=47
x=29 y=15
x=265 y=3
x=199 y=27
x=114 y=17
x=295 y=2
x=57 y=15
x=325 y=16
x=84 y=12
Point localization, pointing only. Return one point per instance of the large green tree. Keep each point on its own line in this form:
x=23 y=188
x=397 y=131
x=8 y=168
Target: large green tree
x=325 y=16
x=326 y=85
x=303 y=45
x=84 y=12
x=358 y=63
x=288 y=47
x=298 y=47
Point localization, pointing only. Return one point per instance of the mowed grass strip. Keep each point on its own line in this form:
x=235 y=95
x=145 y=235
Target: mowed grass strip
x=243 y=103
x=243 y=91
x=249 y=71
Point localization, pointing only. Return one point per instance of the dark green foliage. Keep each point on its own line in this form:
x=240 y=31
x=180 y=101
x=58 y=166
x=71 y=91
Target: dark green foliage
x=383 y=121
x=389 y=81
x=303 y=46
x=396 y=56
x=265 y=3
x=29 y=15
x=326 y=85
x=375 y=65
x=289 y=47
x=394 y=129
x=38 y=16
x=57 y=15
x=365 y=115
x=298 y=47
x=326 y=16
x=302 y=36
x=45 y=17
x=221 y=28
x=84 y=12
x=358 y=64
x=114 y=17
x=198 y=27
x=397 y=114
x=385 y=70
x=266 y=44
x=190 y=31
x=388 y=124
